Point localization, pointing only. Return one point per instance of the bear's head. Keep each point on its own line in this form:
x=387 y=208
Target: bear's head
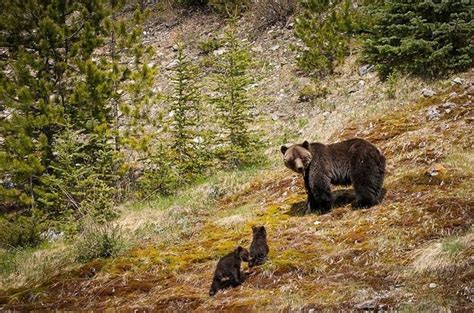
x=297 y=157
x=242 y=253
x=259 y=230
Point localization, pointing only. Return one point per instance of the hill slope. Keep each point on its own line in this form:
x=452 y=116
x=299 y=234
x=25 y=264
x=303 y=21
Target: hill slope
x=414 y=250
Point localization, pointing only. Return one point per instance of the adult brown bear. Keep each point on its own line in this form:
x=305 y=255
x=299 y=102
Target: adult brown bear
x=354 y=161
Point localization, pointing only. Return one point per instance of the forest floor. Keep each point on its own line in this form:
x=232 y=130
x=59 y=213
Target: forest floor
x=414 y=251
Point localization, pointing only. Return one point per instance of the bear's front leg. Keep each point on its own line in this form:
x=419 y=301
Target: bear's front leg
x=320 y=197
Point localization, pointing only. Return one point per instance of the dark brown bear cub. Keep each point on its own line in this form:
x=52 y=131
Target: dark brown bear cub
x=258 y=248
x=227 y=271
x=354 y=161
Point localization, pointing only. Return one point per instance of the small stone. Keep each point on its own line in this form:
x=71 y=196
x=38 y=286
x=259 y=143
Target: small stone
x=311 y=311
x=275 y=117
x=365 y=69
x=325 y=114
x=433 y=114
x=426 y=92
x=361 y=83
x=219 y=51
x=171 y=65
x=449 y=105
x=470 y=90
x=275 y=47
x=457 y=81
x=317 y=222
x=453 y=94
x=433 y=285
x=436 y=170
x=367 y=305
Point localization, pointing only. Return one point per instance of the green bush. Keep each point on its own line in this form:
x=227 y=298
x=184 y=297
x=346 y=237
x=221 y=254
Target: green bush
x=209 y=45
x=99 y=241
x=20 y=231
x=229 y=7
x=426 y=38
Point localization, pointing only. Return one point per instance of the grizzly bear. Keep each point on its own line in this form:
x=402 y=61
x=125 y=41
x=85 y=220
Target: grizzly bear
x=354 y=161
x=227 y=271
x=259 y=247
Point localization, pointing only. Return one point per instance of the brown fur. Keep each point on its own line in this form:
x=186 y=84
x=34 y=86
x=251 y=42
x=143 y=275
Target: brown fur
x=354 y=161
x=227 y=271
x=259 y=247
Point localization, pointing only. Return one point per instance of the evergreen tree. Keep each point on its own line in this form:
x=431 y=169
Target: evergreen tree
x=236 y=141
x=43 y=45
x=185 y=127
x=426 y=38
x=325 y=29
x=53 y=80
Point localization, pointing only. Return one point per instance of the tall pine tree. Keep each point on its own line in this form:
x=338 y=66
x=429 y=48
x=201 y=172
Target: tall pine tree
x=185 y=127
x=235 y=139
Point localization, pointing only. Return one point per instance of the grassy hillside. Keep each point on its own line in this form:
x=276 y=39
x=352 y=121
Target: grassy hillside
x=414 y=251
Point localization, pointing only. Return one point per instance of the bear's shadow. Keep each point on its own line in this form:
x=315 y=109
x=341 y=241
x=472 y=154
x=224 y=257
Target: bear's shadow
x=342 y=197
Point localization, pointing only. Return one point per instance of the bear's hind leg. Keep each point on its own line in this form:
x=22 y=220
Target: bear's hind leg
x=367 y=190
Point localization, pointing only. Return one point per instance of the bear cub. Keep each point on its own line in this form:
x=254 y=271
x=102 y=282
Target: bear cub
x=354 y=161
x=227 y=271
x=258 y=248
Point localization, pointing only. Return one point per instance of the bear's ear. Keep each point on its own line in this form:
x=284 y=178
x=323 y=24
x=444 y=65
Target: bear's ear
x=283 y=149
x=305 y=144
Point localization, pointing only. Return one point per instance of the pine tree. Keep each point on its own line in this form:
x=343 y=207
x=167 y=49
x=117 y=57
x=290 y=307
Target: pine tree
x=185 y=120
x=236 y=141
x=43 y=45
x=426 y=38
x=325 y=29
x=69 y=66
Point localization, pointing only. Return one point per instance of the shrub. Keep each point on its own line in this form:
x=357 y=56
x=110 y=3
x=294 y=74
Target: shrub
x=270 y=12
x=20 y=231
x=312 y=91
x=426 y=38
x=229 y=7
x=99 y=241
x=209 y=45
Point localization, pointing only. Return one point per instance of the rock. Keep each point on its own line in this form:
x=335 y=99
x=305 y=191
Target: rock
x=51 y=235
x=448 y=106
x=367 y=305
x=433 y=114
x=361 y=83
x=311 y=311
x=470 y=90
x=433 y=285
x=171 y=65
x=365 y=69
x=436 y=170
x=426 y=92
x=219 y=51
x=453 y=94
x=257 y=49
x=275 y=117
x=275 y=47
x=457 y=81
